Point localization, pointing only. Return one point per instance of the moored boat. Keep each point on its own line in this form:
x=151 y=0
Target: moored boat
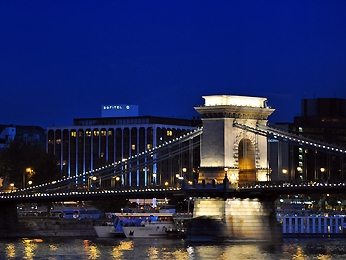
x=151 y=225
x=107 y=230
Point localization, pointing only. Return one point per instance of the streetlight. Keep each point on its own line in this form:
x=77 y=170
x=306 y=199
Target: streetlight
x=323 y=170
x=184 y=172
x=300 y=171
x=91 y=179
x=284 y=172
x=117 y=179
x=177 y=176
x=30 y=173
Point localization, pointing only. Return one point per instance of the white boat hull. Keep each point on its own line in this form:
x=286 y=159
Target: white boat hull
x=106 y=231
x=151 y=230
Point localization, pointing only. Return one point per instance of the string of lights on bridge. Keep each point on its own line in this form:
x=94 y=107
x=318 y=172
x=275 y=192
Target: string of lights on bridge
x=266 y=131
x=169 y=189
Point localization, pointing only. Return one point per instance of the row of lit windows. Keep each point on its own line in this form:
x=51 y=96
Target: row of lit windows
x=97 y=133
x=104 y=133
x=133 y=146
x=89 y=133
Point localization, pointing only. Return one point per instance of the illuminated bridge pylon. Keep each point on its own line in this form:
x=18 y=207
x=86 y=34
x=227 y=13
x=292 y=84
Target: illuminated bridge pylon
x=229 y=150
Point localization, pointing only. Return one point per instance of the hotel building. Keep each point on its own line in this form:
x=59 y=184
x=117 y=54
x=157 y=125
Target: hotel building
x=94 y=142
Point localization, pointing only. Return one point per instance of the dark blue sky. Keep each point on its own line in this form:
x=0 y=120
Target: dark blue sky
x=61 y=60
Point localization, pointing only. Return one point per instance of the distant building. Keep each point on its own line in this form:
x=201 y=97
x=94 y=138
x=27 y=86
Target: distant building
x=322 y=119
x=25 y=134
x=94 y=142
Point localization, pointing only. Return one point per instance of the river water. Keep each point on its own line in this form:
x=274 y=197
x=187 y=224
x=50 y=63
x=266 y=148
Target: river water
x=166 y=248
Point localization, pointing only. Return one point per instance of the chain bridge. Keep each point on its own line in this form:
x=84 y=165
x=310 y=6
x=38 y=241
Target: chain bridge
x=68 y=189
x=234 y=164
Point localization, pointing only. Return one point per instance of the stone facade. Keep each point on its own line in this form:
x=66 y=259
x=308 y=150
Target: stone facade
x=226 y=148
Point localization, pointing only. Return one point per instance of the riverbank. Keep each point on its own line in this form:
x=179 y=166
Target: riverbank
x=46 y=227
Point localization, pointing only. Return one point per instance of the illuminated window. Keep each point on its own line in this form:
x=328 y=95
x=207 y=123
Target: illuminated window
x=50 y=141
x=300 y=163
x=148 y=146
x=300 y=150
x=110 y=133
x=73 y=133
x=88 y=133
x=300 y=129
x=103 y=133
x=58 y=141
x=169 y=133
x=300 y=157
x=133 y=147
x=96 y=132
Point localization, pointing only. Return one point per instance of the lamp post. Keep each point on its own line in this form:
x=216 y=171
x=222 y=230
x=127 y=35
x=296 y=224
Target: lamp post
x=300 y=170
x=177 y=176
x=184 y=170
x=323 y=170
x=117 y=179
x=284 y=172
x=30 y=173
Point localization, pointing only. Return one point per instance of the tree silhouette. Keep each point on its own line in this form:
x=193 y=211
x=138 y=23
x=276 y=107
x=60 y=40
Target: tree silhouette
x=18 y=157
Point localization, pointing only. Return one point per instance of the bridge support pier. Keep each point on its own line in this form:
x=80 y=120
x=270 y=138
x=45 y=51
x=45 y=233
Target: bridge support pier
x=8 y=219
x=244 y=219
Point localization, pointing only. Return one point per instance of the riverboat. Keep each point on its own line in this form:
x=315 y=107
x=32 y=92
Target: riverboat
x=107 y=229
x=159 y=225
x=148 y=225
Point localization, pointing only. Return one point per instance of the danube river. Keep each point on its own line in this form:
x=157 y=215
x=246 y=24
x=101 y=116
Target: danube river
x=158 y=249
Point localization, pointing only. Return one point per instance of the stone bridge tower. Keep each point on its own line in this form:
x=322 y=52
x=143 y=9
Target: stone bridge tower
x=226 y=149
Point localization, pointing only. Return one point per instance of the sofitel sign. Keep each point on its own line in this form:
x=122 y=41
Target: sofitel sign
x=117 y=107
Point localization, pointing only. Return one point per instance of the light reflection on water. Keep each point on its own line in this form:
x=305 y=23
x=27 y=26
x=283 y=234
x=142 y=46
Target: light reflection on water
x=161 y=249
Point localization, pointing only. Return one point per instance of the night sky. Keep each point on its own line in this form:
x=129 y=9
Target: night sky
x=61 y=60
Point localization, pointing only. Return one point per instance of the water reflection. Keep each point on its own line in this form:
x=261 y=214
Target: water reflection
x=91 y=250
x=117 y=251
x=299 y=254
x=153 y=249
x=10 y=251
x=30 y=245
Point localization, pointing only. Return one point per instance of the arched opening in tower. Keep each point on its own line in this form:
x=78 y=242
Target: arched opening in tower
x=246 y=157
